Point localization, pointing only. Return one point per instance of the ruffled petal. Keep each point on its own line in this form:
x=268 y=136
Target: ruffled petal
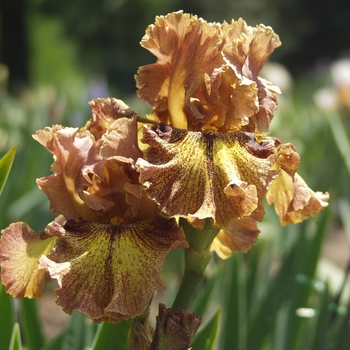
x=105 y=111
x=247 y=49
x=206 y=74
x=20 y=250
x=92 y=165
x=112 y=122
x=188 y=52
x=294 y=201
x=72 y=153
x=110 y=272
x=239 y=236
x=200 y=175
x=174 y=329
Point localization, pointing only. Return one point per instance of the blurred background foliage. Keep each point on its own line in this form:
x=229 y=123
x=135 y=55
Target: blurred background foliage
x=52 y=41
x=291 y=291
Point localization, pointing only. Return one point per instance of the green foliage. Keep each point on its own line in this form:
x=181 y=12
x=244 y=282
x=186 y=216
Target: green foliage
x=112 y=336
x=206 y=338
x=7 y=320
x=31 y=324
x=5 y=166
x=15 y=343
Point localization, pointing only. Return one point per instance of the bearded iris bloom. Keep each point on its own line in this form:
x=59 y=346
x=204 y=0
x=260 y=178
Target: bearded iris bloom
x=203 y=159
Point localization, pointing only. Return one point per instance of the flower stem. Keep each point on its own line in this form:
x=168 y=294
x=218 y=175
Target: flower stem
x=197 y=257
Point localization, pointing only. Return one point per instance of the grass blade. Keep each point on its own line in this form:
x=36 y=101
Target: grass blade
x=263 y=318
x=112 y=336
x=31 y=324
x=5 y=166
x=206 y=338
x=15 y=343
x=340 y=137
x=306 y=257
x=234 y=320
x=7 y=317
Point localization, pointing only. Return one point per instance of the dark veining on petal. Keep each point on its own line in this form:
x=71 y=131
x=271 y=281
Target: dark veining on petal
x=82 y=228
x=209 y=142
x=261 y=149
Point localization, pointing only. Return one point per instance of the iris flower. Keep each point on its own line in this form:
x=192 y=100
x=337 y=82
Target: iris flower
x=124 y=185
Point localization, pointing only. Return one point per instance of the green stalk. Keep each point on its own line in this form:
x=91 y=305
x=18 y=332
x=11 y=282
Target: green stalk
x=197 y=257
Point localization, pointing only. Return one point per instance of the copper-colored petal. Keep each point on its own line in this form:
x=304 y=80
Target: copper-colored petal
x=92 y=164
x=206 y=74
x=268 y=103
x=105 y=193
x=201 y=175
x=105 y=111
x=175 y=330
x=247 y=49
x=72 y=153
x=120 y=142
x=187 y=48
x=109 y=272
x=239 y=236
x=294 y=201
x=286 y=158
x=224 y=102
x=20 y=250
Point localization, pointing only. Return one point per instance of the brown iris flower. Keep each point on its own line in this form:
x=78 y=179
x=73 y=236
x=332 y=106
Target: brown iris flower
x=205 y=158
x=214 y=160
x=107 y=247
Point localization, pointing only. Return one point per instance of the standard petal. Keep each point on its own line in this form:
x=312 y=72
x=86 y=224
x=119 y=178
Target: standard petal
x=206 y=74
x=246 y=49
x=187 y=50
x=239 y=236
x=20 y=250
x=201 y=175
x=110 y=272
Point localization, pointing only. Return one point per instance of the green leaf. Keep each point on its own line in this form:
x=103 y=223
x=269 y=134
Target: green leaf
x=321 y=318
x=5 y=166
x=6 y=317
x=15 y=343
x=340 y=137
x=202 y=297
x=235 y=304
x=112 y=336
x=74 y=334
x=31 y=324
x=207 y=336
x=306 y=255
